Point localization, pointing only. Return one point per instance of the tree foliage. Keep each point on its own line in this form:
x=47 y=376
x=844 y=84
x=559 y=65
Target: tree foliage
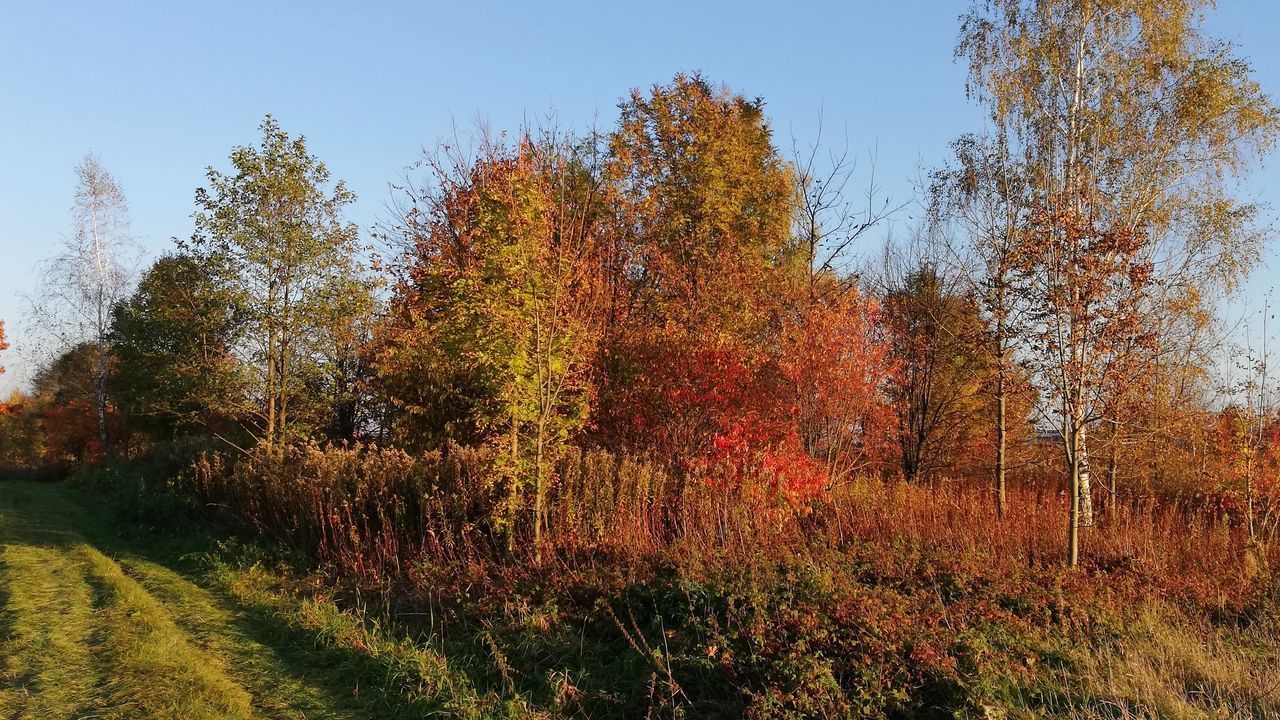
x=278 y=228
x=173 y=340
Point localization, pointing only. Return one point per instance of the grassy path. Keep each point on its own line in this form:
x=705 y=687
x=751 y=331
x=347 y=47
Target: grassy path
x=90 y=628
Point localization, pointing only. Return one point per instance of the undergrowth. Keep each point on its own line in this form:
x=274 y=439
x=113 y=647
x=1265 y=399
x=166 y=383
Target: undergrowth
x=885 y=601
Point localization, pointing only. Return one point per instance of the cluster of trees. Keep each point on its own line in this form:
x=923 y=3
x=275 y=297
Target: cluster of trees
x=680 y=289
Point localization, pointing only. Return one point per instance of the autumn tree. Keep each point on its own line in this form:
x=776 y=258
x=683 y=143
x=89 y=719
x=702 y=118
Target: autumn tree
x=935 y=332
x=65 y=403
x=90 y=274
x=4 y=345
x=982 y=199
x=838 y=370
x=21 y=437
x=1130 y=124
x=704 y=208
x=496 y=311
x=277 y=223
x=832 y=340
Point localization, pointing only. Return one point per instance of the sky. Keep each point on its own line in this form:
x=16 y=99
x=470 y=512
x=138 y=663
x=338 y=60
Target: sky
x=161 y=91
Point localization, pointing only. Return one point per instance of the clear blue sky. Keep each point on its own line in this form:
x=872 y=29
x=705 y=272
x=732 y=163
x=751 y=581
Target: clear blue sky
x=162 y=90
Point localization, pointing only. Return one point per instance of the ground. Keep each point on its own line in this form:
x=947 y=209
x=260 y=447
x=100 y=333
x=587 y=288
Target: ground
x=91 y=626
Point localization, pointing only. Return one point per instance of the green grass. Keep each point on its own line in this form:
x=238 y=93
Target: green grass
x=92 y=626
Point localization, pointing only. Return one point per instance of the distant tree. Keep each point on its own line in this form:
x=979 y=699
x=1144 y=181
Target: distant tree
x=21 y=439
x=292 y=262
x=984 y=196
x=91 y=273
x=64 y=399
x=936 y=334
x=4 y=345
x=172 y=340
x=1130 y=125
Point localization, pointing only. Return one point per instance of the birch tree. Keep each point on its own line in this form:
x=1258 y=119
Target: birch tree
x=1132 y=126
x=983 y=195
x=90 y=274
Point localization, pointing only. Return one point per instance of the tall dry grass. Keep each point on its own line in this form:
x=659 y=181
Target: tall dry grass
x=375 y=513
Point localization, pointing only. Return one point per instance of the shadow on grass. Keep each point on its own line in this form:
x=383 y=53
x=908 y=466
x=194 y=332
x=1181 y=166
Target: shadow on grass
x=352 y=683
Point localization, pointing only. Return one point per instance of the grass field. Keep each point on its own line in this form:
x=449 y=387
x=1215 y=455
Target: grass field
x=90 y=627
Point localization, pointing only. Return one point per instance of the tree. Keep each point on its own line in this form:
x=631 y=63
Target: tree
x=21 y=439
x=984 y=195
x=65 y=404
x=496 y=313
x=832 y=344
x=838 y=369
x=292 y=258
x=173 y=342
x=4 y=345
x=91 y=273
x=935 y=334
x=1130 y=125
x=704 y=207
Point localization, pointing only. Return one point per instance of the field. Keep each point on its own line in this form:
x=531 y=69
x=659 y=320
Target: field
x=103 y=619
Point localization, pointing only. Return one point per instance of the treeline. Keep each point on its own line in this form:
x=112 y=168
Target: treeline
x=680 y=292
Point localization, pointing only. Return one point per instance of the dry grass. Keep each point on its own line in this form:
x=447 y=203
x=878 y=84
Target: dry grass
x=1166 y=666
x=918 y=597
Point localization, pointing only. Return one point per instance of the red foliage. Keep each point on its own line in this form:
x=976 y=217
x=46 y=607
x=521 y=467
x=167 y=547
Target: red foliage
x=71 y=431
x=764 y=418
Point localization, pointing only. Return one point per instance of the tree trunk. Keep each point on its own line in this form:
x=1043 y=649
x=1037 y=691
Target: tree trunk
x=1001 y=412
x=271 y=365
x=1073 y=525
x=271 y=388
x=514 y=479
x=100 y=379
x=283 y=382
x=1112 y=469
x=539 y=494
x=1086 y=491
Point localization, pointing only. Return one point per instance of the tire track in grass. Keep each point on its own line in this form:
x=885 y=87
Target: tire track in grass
x=48 y=666
x=280 y=688
x=155 y=671
x=81 y=639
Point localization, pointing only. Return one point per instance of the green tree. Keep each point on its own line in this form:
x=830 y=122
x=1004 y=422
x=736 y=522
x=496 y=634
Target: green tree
x=292 y=259
x=172 y=339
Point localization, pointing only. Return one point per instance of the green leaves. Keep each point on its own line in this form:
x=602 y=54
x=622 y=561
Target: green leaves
x=277 y=227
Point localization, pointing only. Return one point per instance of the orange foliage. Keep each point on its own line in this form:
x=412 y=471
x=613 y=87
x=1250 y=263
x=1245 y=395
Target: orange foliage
x=71 y=430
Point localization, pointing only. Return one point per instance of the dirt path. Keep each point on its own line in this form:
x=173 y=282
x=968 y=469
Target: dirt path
x=89 y=628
